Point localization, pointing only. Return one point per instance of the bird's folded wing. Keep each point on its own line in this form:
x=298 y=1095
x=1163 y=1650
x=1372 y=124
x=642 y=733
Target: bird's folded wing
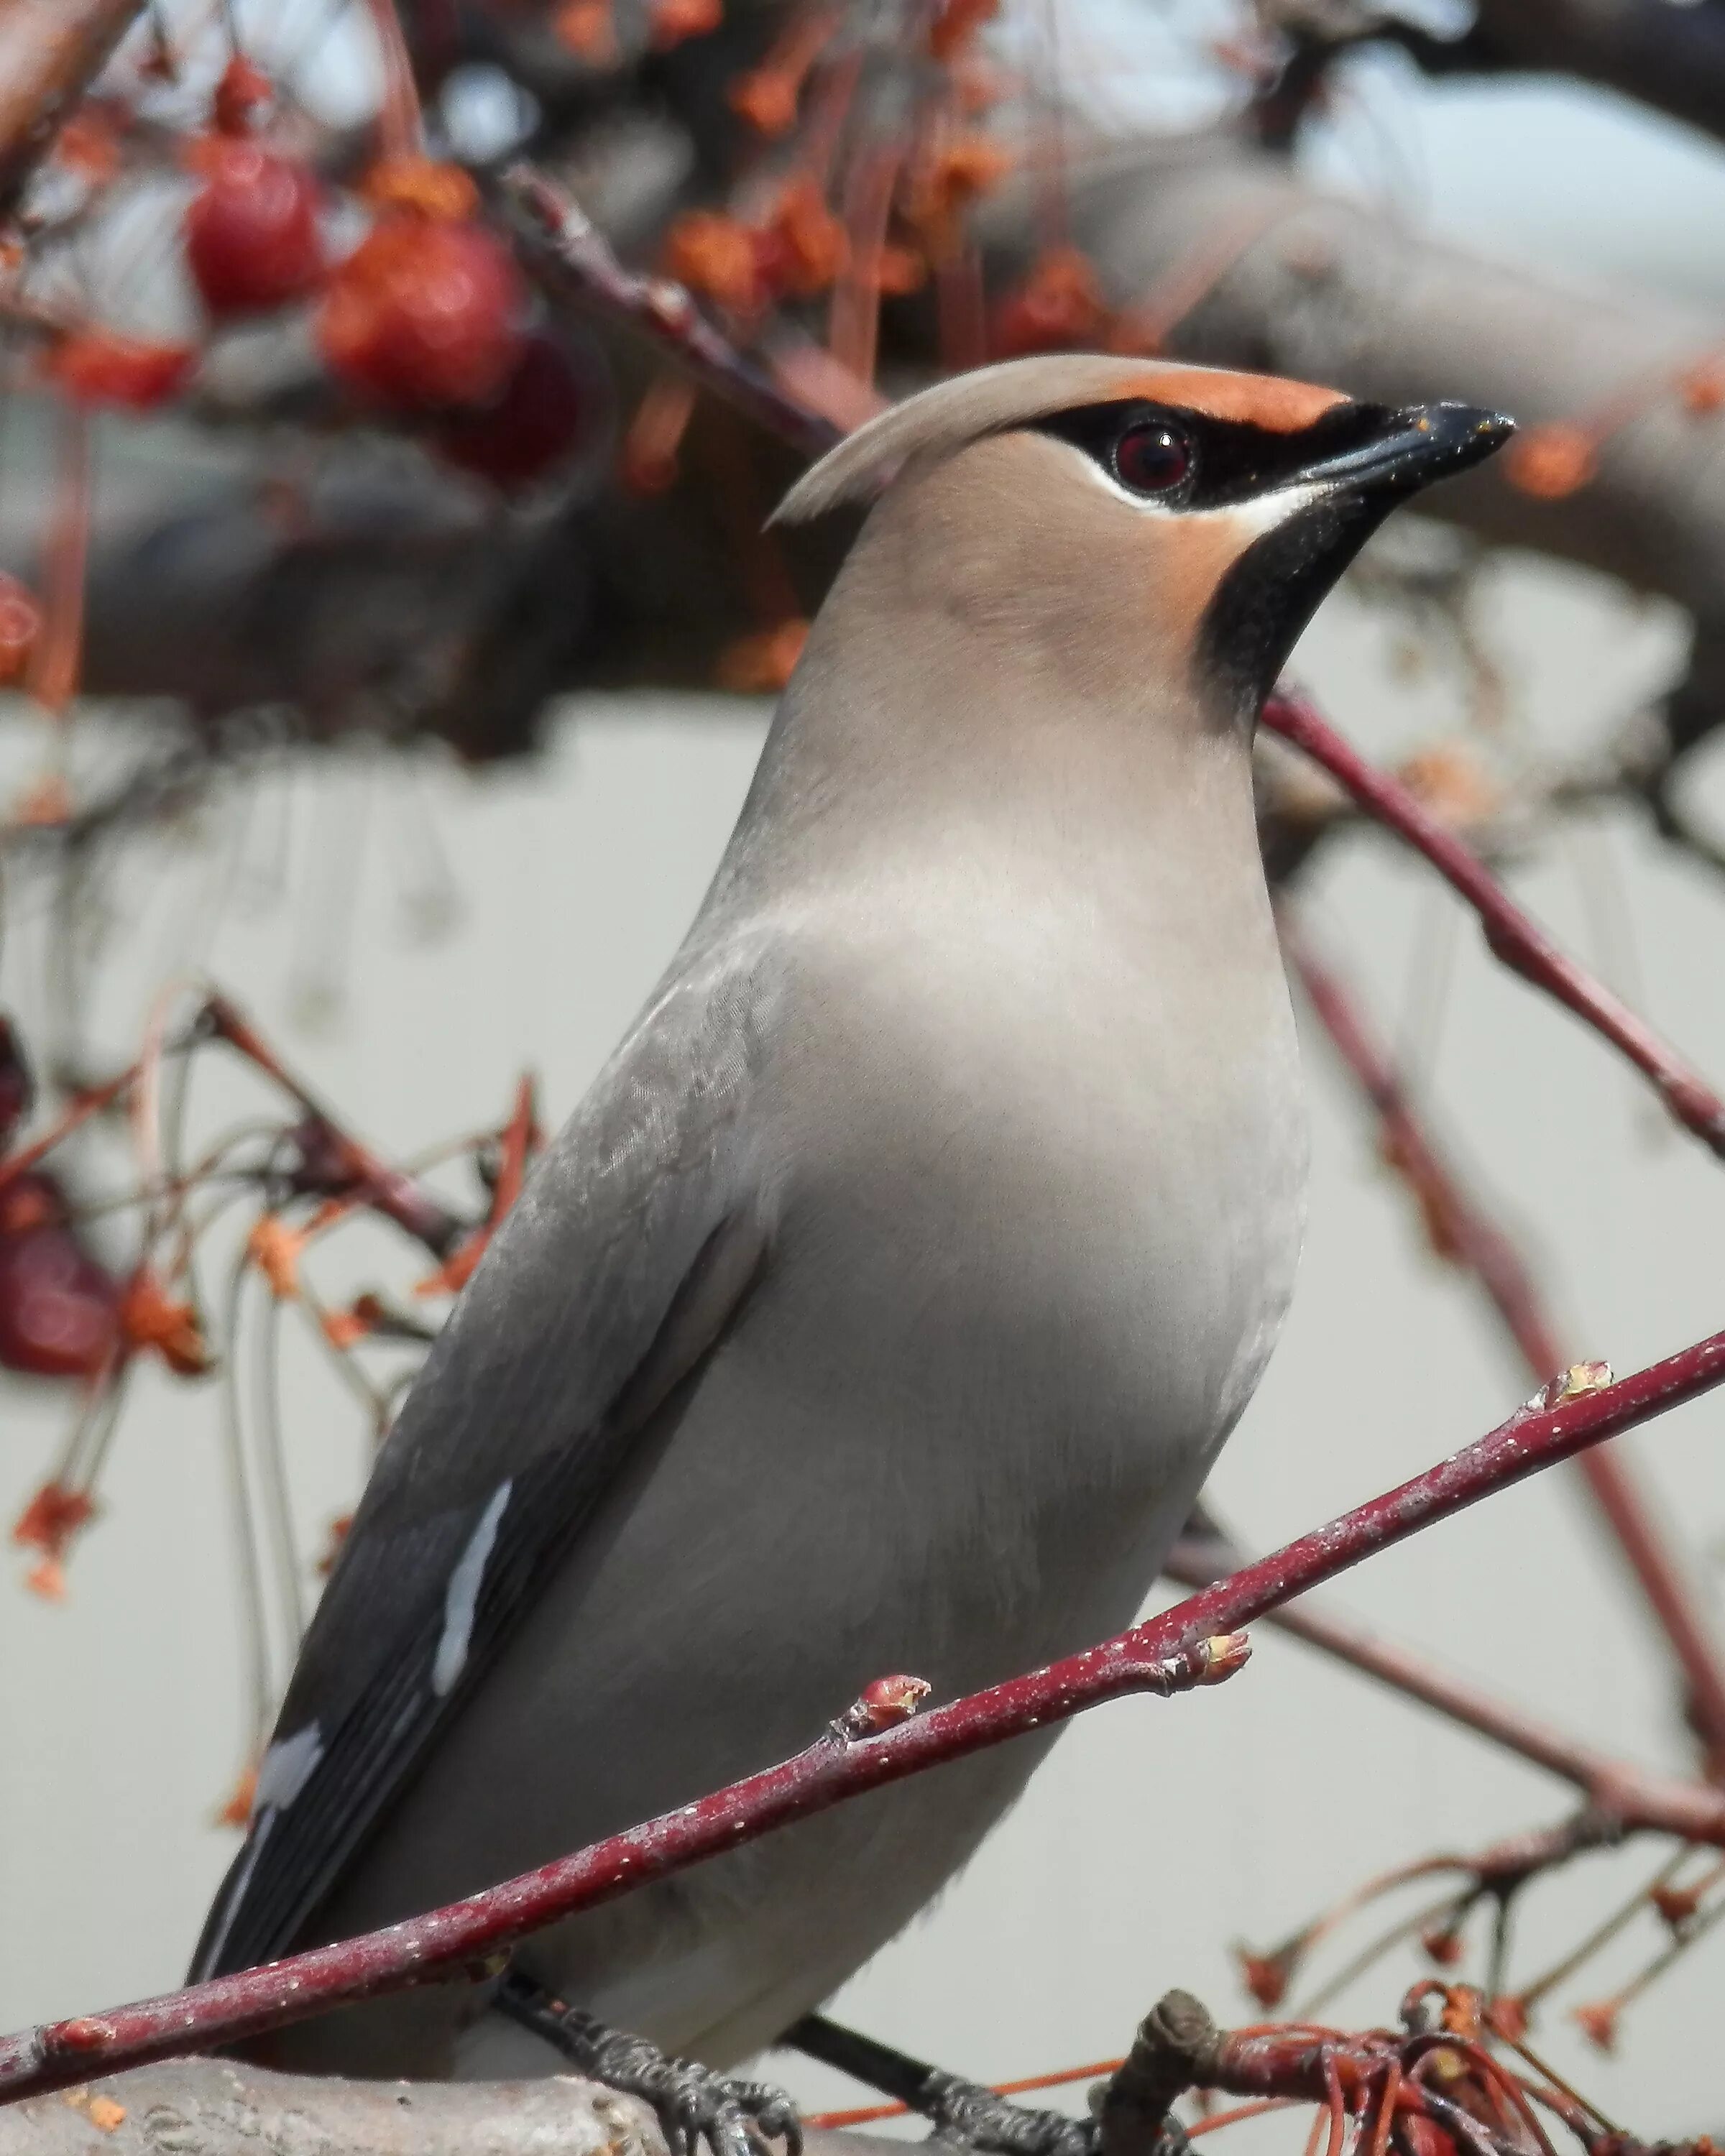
x=614 y=1276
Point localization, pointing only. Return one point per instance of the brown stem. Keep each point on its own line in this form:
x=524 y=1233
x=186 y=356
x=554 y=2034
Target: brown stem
x=572 y=261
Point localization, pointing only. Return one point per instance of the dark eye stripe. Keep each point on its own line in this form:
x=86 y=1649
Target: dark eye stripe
x=1231 y=460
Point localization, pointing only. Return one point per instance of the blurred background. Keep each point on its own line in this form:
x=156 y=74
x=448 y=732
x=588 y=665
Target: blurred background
x=402 y=688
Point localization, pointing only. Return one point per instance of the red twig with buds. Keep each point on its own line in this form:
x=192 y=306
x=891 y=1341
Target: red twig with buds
x=1635 y=1799
x=1514 y=937
x=1189 y=1643
x=1435 y=2085
x=1460 y=1231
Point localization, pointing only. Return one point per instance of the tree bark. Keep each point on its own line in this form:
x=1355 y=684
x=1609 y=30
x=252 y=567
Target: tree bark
x=214 y=2107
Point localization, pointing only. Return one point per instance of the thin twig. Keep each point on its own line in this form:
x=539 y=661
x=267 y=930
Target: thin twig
x=1459 y=1229
x=1639 y=1798
x=1514 y=937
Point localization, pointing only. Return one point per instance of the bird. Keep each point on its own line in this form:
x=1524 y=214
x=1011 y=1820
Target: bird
x=885 y=1301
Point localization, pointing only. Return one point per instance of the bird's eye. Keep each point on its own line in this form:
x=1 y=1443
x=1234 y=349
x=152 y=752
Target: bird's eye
x=1151 y=459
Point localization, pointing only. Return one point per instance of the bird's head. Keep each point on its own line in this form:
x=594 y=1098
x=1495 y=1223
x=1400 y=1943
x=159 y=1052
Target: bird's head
x=1180 y=518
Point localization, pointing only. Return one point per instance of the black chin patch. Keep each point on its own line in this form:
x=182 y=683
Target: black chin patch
x=1260 y=608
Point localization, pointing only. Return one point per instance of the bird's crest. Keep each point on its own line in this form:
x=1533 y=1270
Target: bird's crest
x=939 y=421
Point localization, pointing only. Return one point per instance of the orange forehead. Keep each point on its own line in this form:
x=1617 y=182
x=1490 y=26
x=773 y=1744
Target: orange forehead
x=1261 y=400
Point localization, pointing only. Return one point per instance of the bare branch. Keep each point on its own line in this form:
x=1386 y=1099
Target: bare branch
x=1672 y=58
x=1188 y=1644
x=572 y=261
x=50 y=52
x=1635 y=1799
x=1514 y=937
x=1458 y=1229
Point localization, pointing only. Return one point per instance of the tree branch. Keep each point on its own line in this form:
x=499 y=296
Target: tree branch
x=1633 y=1797
x=574 y=263
x=1512 y=936
x=1186 y=1645
x=50 y=50
x=216 y=2107
x=1672 y=58
x=1459 y=1231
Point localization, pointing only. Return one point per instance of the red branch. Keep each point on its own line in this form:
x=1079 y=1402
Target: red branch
x=1514 y=937
x=1460 y=1230
x=465 y=1938
x=1634 y=1799
x=351 y=1166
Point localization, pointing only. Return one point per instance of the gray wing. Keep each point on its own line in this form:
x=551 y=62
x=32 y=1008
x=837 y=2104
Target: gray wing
x=612 y=1278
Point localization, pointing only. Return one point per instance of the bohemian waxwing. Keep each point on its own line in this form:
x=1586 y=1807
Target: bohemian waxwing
x=886 y=1300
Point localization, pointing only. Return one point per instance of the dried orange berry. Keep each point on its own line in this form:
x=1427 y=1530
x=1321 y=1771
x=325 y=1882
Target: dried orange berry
x=1551 y=462
x=767 y=99
x=1452 y=783
x=1703 y=389
x=150 y=1320
x=1058 y=306
x=587 y=28
x=101 y=366
x=88 y=145
x=898 y=270
x=1676 y=1904
x=958 y=176
x=1597 y=2023
x=672 y=22
x=20 y=625
x=717 y=256
x=761 y=664
x=243 y=89
x=236 y=1807
x=1266 y=1976
x=806 y=245
x=274 y=1249
x=339 y=1530
x=48 y=1523
x=425 y=184
x=956 y=23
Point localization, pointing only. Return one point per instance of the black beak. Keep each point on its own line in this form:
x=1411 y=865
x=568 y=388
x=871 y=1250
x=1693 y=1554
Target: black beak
x=1355 y=465
x=1395 y=454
